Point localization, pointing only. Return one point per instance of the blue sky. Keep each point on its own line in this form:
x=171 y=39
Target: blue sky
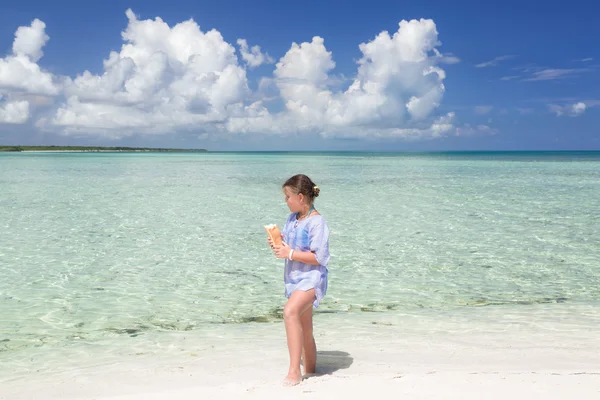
x=518 y=77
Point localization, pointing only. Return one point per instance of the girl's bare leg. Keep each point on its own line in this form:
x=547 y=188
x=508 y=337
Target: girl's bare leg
x=298 y=303
x=309 y=347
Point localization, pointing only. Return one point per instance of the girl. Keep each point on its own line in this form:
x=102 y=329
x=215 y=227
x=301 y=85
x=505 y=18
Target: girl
x=305 y=249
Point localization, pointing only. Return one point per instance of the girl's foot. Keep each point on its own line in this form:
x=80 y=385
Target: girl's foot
x=292 y=379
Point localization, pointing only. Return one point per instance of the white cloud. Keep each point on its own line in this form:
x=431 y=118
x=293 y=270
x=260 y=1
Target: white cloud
x=19 y=72
x=468 y=130
x=175 y=78
x=532 y=73
x=494 y=62
x=442 y=125
x=254 y=57
x=29 y=40
x=571 y=110
x=578 y=108
x=448 y=58
x=14 y=112
x=162 y=79
x=398 y=83
x=555 y=73
x=301 y=76
x=35 y=100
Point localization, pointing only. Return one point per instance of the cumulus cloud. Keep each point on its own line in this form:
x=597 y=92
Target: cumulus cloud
x=253 y=56
x=29 y=40
x=175 y=78
x=14 y=112
x=571 y=110
x=397 y=84
x=19 y=72
x=162 y=79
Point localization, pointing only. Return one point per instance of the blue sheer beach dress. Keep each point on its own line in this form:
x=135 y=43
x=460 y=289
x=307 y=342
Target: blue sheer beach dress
x=310 y=234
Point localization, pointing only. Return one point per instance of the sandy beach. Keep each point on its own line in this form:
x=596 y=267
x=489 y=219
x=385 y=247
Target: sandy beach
x=381 y=357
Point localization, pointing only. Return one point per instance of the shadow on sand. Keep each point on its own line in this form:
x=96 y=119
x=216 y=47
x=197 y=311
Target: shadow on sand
x=330 y=361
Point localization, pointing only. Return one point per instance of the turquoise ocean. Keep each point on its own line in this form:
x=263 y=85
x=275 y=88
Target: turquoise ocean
x=105 y=251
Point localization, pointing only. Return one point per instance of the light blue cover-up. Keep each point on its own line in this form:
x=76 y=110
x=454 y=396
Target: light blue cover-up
x=310 y=234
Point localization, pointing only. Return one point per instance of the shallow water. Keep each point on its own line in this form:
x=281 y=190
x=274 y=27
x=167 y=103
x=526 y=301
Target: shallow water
x=96 y=247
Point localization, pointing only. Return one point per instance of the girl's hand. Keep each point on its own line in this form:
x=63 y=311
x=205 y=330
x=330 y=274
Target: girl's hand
x=282 y=251
x=270 y=241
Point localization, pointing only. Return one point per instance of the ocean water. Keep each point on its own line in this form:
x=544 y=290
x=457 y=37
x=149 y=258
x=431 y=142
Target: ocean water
x=100 y=250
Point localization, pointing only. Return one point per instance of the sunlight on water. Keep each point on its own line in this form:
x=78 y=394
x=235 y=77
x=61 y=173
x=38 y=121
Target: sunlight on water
x=101 y=246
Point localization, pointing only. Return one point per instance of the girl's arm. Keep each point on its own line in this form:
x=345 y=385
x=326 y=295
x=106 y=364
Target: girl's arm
x=306 y=257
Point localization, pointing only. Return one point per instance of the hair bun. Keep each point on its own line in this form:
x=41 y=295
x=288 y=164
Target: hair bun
x=316 y=191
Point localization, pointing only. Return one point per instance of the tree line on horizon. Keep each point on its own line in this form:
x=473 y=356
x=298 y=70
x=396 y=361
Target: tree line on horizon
x=94 y=148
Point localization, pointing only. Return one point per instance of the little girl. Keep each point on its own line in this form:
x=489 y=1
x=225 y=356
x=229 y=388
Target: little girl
x=306 y=252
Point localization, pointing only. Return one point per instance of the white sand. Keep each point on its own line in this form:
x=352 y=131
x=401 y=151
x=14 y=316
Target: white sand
x=530 y=360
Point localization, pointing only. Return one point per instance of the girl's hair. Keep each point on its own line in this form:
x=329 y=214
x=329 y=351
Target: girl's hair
x=303 y=184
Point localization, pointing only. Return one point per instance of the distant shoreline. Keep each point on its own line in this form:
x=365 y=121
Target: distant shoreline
x=94 y=149
x=100 y=149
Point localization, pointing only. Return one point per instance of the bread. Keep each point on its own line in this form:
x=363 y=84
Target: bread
x=274 y=234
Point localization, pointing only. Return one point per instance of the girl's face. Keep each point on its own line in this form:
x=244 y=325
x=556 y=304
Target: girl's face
x=294 y=201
